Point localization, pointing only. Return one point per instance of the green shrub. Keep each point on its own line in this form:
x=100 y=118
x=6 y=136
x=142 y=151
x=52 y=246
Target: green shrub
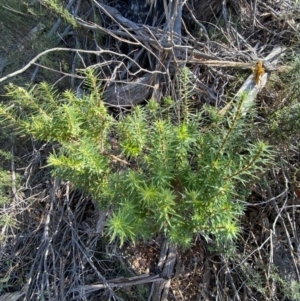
x=284 y=117
x=158 y=169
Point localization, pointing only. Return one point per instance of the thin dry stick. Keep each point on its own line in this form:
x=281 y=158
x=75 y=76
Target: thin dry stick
x=228 y=274
x=253 y=14
x=96 y=52
x=42 y=54
x=51 y=32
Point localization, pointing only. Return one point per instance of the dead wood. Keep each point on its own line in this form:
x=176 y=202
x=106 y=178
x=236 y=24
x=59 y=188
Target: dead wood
x=250 y=88
x=167 y=259
x=129 y=94
x=120 y=282
x=12 y=296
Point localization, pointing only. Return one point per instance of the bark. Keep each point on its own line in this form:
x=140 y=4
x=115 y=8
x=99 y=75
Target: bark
x=128 y=94
x=167 y=259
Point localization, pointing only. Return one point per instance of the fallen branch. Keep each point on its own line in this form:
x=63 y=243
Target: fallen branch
x=2 y=79
x=129 y=94
x=167 y=259
x=120 y=282
x=250 y=88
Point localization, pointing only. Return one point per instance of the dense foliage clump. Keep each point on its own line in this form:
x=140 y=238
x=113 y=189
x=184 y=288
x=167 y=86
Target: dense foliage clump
x=161 y=168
